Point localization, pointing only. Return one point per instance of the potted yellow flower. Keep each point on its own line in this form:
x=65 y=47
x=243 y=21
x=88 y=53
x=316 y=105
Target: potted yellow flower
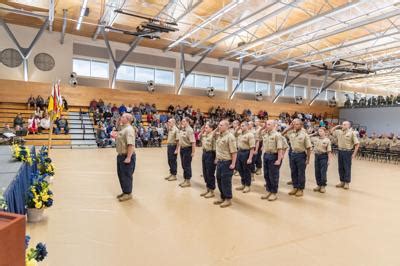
x=39 y=197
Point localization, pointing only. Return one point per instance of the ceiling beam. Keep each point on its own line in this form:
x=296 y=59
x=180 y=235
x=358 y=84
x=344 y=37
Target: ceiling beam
x=64 y=25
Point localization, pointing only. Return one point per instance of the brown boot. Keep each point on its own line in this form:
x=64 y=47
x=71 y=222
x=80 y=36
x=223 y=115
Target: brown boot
x=252 y=177
x=172 y=178
x=226 y=203
x=273 y=197
x=340 y=185
x=240 y=187
x=322 y=190
x=204 y=193
x=293 y=192
x=266 y=196
x=125 y=197
x=346 y=186
x=166 y=178
x=289 y=183
x=246 y=189
x=210 y=194
x=218 y=202
x=185 y=183
x=299 y=193
x=258 y=171
x=317 y=189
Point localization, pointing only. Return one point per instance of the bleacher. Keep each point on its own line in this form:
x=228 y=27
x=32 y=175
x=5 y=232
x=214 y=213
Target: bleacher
x=81 y=130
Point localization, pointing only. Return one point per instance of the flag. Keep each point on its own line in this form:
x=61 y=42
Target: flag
x=55 y=101
x=50 y=107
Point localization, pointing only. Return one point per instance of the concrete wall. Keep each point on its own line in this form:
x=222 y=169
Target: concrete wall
x=379 y=120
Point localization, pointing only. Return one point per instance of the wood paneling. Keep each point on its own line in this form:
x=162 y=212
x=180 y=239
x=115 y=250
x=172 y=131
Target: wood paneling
x=19 y=91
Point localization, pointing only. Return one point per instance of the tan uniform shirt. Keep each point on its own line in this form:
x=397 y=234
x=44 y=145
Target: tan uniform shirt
x=208 y=142
x=321 y=145
x=126 y=136
x=299 y=141
x=186 y=137
x=272 y=141
x=364 y=142
x=333 y=139
x=173 y=135
x=257 y=134
x=346 y=139
x=372 y=143
x=225 y=146
x=285 y=144
x=246 y=141
x=395 y=145
x=384 y=144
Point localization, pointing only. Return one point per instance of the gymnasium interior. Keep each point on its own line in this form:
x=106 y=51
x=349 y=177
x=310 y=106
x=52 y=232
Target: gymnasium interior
x=70 y=70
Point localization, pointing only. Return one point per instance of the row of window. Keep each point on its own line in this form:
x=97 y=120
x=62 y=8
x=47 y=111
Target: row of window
x=99 y=69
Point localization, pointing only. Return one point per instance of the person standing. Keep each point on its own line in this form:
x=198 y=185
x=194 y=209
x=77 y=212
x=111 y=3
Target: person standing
x=272 y=146
x=172 y=149
x=226 y=153
x=186 y=147
x=208 y=158
x=348 y=145
x=126 y=159
x=246 y=144
x=322 y=158
x=300 y=156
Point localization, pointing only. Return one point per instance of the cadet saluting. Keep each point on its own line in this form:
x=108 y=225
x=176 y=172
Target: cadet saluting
x=226 y=152
x=300 y=156
x=246 y=143
x=323 y=155
x=272 y=145
x=186 y=146
x=347 y=141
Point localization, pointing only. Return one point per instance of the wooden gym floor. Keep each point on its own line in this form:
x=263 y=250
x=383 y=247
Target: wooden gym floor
x=166 y=225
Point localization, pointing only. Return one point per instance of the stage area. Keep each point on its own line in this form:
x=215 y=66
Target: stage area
x=170 y=226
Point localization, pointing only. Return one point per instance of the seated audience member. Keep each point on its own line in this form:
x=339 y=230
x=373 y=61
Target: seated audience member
x=96 y=116
x=7 y=135
x=122 y=109
x=31 y=102
x=171 y=109
x=65 y=103
x=135 y=109
x=155 y=137
x=33 y=124
x=93 y=105
x=44 y=123
x=18 y=121
x=102 y=138
x=61 y=125
x=129 y=109
x=40 y=102
x=38 y=113
x=114 y=109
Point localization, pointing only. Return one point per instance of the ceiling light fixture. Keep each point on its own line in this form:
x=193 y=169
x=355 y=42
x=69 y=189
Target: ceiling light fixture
x=82 y=14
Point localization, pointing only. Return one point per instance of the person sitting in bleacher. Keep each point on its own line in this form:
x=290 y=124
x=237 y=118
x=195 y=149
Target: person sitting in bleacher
x=93 y=105
x=31 y=102
x=18 y=121
x=129 y=109
x=155 y=138
x=44 y=123
x=33 y=124
x=40 y=102
x=102 y=138
x=38 y=112
x=7 y=135
x=64 y=103
x=114 y=109
x=122 y=109
x=61 y=125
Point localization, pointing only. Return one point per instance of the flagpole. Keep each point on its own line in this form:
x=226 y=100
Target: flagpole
x=51 y=130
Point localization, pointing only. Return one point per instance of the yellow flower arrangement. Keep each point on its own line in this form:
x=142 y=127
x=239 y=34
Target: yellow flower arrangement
x=39 y=195
x=22 y=153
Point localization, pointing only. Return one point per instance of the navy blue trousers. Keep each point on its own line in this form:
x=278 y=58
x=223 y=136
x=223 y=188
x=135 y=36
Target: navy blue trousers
x=125 y=173
x=344 y=163
x=271 y=172
x=321 y=167
x=243 y=167
x=172 y=159
x=224 y=179
x=298 y=169
x=209 y=166
x=186 y=160
x=290 y=164
x=257 y=157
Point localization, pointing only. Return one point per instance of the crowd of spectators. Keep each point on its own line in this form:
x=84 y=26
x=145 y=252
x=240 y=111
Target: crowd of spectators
x=379 y=101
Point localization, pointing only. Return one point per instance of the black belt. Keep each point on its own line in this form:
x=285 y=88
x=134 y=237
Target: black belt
x=344 y=150
x=243 y=150
x=125 y=154
x=171 y=144
x=204 y=150
x=271 y=153
x=321 y=153
x=298 y=152
x=221 y=161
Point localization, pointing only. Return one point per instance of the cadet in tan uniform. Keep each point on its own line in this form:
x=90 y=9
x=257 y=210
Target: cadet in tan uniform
x=300 y=156
x=347 y=141
x=208 y=158
x=373 y=142
x=322 y=157
x=395 y=144
x=246 y=144
x=384 y=143
x=126 y=159
x=272 y=146
x=172 y=151
x=226 y=152
x=364 y=141
x=186 y=147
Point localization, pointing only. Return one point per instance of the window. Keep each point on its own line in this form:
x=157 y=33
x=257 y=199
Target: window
x=99 y=69
x=322 y=96
x=90 y=68
x=330 y=94
x=291 y=90
x=252 y=86
x=300 y=91
x=164 y=77
x=81 y=67
x=202 y=81
x=218 y=83
x=196 y=80
x=126 y=72
x=144 y=74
